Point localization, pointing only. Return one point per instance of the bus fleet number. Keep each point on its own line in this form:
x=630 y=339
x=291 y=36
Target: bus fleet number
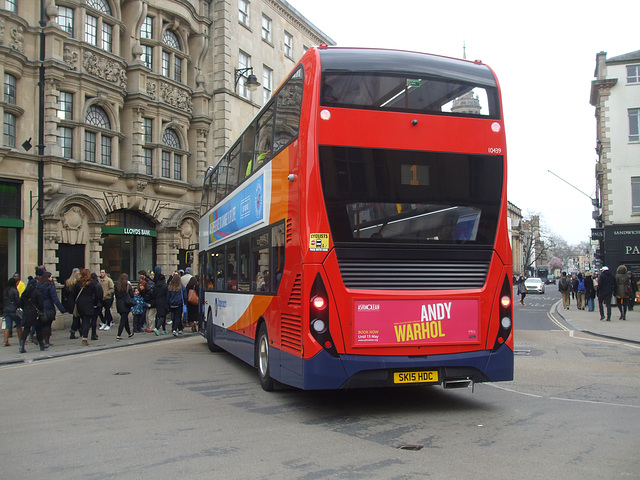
x=496 y=150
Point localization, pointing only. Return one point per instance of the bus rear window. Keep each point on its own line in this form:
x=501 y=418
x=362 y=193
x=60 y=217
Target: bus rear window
x=399 y=196
x=403 y=93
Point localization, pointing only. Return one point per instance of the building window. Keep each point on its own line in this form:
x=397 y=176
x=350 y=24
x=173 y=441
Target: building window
x=288 y=44
x=633 y=73
x=65 y=19
x=147 y=56
x=91 y=30
x=267 y=83
x=65 y=100
x=634 y=124
x=65 y=141
x=9 y=130
x=93 y=25
x=11 y=5
x=177 y=167
x=9 y=89
x=97 y=117
x=148 y=160
x=243 y=12
x=635 y=194
x=147 y=130
x=244 y=61
x=266 y=28
x=107 y=37
x=146 y=31
x=171 y=141
x=90 y=147
x=171 y=40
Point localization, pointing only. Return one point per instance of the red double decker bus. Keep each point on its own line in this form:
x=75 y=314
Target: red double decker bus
x=355 y=235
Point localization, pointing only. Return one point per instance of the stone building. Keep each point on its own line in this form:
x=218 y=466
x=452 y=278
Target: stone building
x=113 y=111
x=615 y=94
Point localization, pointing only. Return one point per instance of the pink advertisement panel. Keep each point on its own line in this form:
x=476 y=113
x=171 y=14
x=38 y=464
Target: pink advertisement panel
x=414 y=322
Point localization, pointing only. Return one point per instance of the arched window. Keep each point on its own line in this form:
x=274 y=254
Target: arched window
x=98 y=31
x=171 y=56
x=171 y=143
x=97 y=121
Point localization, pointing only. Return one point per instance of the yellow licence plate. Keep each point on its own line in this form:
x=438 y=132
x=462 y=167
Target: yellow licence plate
x=415 y=377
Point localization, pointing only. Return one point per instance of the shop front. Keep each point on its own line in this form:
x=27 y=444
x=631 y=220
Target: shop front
x=11 y=226
x=622 y=247
x=129 y=244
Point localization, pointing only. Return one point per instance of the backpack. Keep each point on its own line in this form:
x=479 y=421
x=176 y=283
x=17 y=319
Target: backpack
x=581 y=286
x=563 y=286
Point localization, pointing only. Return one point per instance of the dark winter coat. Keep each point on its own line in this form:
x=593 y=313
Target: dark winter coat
x=160 y=298
x=32 y=304
x=11 y=301
x=606 y=282
x=622 y=281
x=50 y=299
x=177 y=298
x=122 y=298
x=590 y=291
x=87 y=298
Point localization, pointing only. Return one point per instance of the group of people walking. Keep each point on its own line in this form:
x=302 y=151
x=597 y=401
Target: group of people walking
x=31 y=308
x=586 y=288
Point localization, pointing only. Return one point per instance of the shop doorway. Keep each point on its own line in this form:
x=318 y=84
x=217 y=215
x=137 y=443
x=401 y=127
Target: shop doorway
x=69 y=257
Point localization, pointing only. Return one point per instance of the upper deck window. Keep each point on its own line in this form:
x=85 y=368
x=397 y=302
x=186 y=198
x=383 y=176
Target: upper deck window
x=407 y=82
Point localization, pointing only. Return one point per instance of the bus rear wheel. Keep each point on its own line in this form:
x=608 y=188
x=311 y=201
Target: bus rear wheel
x=263 y=359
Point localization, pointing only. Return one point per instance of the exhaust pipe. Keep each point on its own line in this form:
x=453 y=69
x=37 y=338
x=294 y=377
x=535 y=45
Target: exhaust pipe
x=458 y=383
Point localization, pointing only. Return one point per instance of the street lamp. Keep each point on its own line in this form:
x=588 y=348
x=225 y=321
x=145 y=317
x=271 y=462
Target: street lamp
x=252 y=82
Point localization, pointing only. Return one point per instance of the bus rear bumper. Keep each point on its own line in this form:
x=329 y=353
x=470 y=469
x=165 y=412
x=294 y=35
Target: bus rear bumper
x=324 y=371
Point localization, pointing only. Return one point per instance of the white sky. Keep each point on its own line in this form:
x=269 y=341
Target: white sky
x=543 y=54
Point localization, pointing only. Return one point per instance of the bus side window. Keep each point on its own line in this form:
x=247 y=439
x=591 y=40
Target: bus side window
x=248 y=147
x=264 y=138
x=260 y=262
x=234 y=167
x=243 y=266
x=277 y=254
x=231 y=269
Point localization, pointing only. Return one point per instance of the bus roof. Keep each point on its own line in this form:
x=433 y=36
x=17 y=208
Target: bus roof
x=361 y=60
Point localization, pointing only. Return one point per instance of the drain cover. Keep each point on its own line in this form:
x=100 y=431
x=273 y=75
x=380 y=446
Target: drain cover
x=410 y=447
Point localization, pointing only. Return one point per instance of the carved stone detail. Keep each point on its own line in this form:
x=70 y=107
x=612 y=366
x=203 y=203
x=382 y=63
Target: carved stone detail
x=105 y=69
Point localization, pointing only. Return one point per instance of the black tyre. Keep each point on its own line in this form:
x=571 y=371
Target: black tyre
x=262 y=359
x=209 y=330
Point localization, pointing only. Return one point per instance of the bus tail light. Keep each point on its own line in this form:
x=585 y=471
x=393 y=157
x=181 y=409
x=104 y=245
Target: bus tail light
x=506 y=315
x=319 y=316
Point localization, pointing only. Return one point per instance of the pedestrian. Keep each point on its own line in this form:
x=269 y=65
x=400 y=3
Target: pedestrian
x=19 y=283
x=590 y=291
x=186 y=278
x=11 y=304
x=606 y=284
x=124 y=304
x=32 y=307
x=69 y=302
x=149 y=295
x=564 y=287
x=522 y=289
x=574 y=286
x=634 y=291
x=580 y=292
x=50 y=301
x=138 y=311
x=88 y=295
x=97 y=309
x=193 y=309
x=176 y=299
x=622 y=290
x=108 y=289
x=160 y=299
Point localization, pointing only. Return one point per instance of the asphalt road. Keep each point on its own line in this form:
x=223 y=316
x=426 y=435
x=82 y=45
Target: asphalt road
x=175 y=410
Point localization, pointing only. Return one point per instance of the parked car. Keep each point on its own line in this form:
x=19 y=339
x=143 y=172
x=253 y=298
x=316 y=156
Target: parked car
x=551 y=279
x=534 y=285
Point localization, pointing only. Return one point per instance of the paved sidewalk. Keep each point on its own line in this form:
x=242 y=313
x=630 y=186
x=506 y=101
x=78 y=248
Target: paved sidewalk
x=626 y=330
x=63 y=345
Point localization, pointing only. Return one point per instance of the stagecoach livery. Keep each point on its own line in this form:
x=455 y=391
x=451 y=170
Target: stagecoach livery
x=355 y=235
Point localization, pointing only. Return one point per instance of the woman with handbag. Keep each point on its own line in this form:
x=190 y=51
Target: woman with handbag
x=176 y=294
x=69 y=302
x=50 y=301
x=87 y=298
x=33 y=308
x=124 y=302
x=622 y=290
x=193 y=304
